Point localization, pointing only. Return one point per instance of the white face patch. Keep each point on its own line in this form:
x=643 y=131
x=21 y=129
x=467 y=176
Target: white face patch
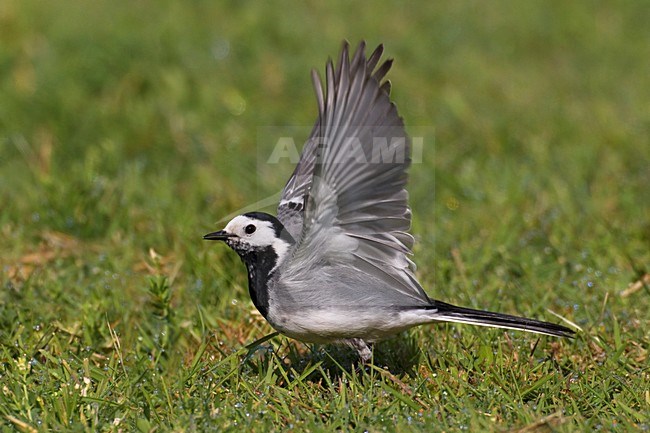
x=262 y=236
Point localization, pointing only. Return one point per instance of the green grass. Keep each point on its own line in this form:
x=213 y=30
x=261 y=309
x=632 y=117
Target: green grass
x=128 y=129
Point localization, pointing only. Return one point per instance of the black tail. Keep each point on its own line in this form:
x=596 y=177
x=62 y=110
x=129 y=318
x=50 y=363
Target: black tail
x=451 y=313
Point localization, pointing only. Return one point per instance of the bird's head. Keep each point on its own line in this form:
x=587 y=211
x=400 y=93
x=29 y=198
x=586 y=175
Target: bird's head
x=255 y=233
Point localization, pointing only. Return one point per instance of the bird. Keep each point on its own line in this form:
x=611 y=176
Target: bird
x=334 y=265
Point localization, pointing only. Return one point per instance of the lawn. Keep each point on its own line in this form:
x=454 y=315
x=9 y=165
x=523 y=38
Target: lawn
x=130 y=129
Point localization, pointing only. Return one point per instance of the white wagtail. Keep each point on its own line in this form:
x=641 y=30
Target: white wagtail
x=333 y=266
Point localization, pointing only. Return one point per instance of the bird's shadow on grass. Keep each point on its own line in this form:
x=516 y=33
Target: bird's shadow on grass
x=399 y=356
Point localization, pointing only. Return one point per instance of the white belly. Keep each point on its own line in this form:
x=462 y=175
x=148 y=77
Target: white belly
x=327 y=325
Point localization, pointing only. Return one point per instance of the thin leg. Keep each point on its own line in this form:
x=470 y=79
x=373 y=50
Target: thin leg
x=364 y=349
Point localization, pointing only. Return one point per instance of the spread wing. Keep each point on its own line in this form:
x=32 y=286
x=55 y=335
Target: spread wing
x=291 y=208
x=351 y=183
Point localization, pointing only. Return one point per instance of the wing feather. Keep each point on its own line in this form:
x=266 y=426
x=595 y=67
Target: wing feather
x=356 y=206
x=320 y=97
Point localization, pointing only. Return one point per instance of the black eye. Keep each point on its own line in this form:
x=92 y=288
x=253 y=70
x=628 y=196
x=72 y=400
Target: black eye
x=250 y=229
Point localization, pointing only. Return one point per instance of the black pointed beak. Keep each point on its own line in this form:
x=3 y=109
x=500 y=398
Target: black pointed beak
x=221 y=235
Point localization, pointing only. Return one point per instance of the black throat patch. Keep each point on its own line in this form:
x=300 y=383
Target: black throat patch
x=259 y=263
